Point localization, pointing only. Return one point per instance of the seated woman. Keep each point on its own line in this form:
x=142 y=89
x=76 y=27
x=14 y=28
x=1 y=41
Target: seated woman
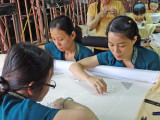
x=139 y=14
x=66 y=40
x=122 y=34
x=153 y=6
x=26 y=79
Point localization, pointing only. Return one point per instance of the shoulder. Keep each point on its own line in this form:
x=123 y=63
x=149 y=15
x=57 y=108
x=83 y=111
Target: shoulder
x=149 y=57
x=93 y=4
x=26 y=108
x=50 y=45
x=146 y=52
x=116 y=2
x=105 y=57
x=84 y=51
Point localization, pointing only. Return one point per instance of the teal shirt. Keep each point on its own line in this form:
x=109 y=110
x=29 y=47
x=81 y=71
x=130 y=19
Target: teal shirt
x=81 y=51
x=142 y=58
x=13 y=108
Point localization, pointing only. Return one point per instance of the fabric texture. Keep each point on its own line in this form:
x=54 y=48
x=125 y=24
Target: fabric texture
x=13 y=108
x=92 y=11
x=142 y=58
x=81 y=51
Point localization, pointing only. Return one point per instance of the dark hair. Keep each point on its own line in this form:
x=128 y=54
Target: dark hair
x=65 y=23
x=124 y=25
x=25 y=63
x=154 y=1
x=139 y=8
x=98 y=6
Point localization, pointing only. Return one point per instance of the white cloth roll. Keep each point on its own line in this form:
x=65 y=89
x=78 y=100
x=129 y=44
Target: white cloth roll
x=113 y=72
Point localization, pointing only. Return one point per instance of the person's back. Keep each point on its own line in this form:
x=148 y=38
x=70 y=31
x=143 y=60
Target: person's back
x=25 y=80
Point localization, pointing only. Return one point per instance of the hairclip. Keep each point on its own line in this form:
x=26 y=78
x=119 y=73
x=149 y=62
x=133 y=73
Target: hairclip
x=129 y=21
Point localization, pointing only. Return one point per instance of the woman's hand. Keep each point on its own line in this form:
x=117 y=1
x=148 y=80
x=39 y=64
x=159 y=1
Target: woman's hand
x=98 y=84
x=113 y=11
x=103 y=13
x=58 y=103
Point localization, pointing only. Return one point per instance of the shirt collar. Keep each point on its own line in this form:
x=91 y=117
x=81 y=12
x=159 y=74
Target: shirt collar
x=134 y=56
x=77 y=51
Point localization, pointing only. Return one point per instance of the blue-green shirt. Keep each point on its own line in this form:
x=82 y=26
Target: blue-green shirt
x=81 y=51
x=142 y=58
x=13 y=108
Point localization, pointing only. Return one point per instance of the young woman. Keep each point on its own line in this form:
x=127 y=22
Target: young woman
x=139 y=14
x=100 y=14
x=122 y=34
x=153 y=6
x=26 y=79
x=66 y=40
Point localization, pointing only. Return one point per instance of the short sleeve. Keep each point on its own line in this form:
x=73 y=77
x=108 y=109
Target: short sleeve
x=49 y=47
x=36 y=111
x=155 y=63
x=92 y=10
x=103 y=58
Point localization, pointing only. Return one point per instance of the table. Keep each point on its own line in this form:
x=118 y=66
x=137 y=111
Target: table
x=121 y=102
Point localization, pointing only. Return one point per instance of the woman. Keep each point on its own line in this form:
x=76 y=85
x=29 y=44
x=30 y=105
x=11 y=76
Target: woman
x=153 y=6
x=26 y=79
x=122 y=34
x=139 y=14
x=66 y=40
x=100 y=14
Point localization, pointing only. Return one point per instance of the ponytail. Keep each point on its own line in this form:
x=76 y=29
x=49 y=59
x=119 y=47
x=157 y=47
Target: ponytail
x=78 y=32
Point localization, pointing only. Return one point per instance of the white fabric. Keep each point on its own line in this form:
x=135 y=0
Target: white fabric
x=155 y=17
x=155 y=39
x=114 y=72
x=121 y=102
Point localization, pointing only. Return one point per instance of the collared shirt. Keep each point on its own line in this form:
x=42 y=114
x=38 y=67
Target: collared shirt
x=81 y=51
x=102 y=26
x=14 y=108
x=142 y=58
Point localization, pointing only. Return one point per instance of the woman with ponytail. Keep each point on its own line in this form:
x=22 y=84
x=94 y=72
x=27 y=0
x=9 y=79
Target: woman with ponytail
x=66 y=40
x=101 y=13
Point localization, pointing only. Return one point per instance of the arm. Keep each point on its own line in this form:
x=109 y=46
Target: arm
x=77 y=70
x=92 y=22
x=73 y=111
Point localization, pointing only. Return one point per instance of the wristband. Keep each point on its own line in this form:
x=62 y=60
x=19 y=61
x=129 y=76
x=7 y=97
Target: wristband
x=68 y=98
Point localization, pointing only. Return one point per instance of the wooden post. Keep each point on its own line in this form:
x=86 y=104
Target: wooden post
x=20 y=18
x=36 y=24
x=45 y=20
x=29 y=25
x=40 y=20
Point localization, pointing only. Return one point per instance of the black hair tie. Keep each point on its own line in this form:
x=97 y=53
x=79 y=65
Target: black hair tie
x=2 y=79
x=4 y=85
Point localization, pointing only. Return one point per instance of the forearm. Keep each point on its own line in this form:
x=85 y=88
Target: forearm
x=93 y=24
x=79 y=72
x=85 y=111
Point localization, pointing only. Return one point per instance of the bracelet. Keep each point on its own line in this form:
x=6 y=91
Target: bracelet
x=68 y=98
